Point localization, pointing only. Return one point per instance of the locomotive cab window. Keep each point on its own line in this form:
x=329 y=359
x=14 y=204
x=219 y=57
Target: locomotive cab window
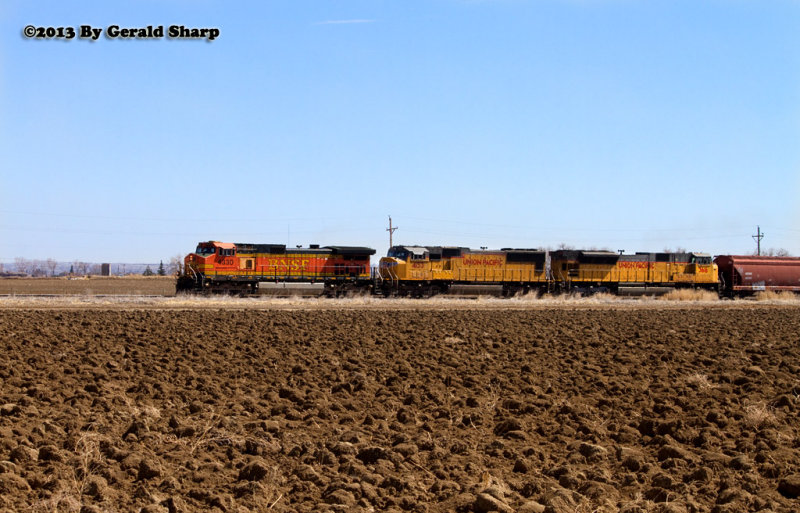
x=398 y=253
x=205 y=250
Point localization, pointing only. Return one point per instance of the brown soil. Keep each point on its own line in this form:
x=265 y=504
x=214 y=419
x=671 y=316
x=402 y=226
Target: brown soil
x=140 y=285
x=557 y=410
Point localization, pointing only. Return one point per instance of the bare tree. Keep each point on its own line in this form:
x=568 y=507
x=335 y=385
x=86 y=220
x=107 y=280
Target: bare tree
x=175 y=265
x=51 y=265
x=81 y=268
x=95 y=269
x=38 y=268
x=22 y=265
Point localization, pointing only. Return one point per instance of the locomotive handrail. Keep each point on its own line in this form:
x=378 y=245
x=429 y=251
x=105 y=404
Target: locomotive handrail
x=394 y=278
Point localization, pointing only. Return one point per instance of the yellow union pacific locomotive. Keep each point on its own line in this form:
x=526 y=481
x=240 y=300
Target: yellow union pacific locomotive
x=639 y=273
x=428 y=270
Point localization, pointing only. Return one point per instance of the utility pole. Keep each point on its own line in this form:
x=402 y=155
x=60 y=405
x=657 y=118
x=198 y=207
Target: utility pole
x=758 y=238
x=391 y=230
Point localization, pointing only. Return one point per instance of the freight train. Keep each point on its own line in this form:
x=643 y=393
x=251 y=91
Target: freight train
x=423 y=271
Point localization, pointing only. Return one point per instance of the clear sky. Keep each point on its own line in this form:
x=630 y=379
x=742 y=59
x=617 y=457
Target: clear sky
x=636 y=125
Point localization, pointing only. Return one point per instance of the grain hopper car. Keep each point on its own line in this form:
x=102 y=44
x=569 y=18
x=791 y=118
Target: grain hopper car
x=742 y=275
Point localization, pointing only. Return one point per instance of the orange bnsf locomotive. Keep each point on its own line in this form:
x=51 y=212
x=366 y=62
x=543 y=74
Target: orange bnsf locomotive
x=239 y=268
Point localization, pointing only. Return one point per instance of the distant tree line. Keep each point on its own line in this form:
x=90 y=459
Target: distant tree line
x=52 y=268
x=780 y=252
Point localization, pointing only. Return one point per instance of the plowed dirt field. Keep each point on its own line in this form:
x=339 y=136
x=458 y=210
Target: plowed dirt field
x=549 y=409
x=139 y=285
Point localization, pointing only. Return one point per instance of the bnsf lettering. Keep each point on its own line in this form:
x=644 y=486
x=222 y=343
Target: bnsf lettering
x=293 y=264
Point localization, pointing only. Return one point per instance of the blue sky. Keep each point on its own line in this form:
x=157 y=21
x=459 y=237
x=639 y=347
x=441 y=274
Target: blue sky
x=616 y=124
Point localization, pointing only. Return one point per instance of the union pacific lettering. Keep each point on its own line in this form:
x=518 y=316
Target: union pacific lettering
x=636 y=265
x=485 y=261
